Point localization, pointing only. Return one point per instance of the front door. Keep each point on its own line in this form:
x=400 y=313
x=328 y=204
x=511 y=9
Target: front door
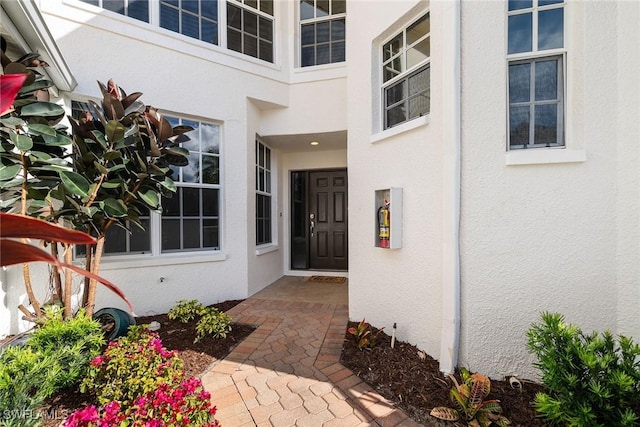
x=320 y=203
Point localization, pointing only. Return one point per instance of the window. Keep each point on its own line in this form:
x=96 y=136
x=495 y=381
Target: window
x=194 y=18
x=406 y=78
x=191 y=218
x=119 y=241
x=250 y=28
x=322 y=32
x=536 y=64
x=137 y=9
x=263 y=194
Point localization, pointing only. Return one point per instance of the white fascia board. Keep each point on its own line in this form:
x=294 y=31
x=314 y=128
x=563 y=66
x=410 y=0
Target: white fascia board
x=30 y=26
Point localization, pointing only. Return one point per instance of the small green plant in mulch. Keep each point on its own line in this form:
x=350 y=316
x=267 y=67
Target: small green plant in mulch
x=186 y=310
x=364 y=335
x=213 y=323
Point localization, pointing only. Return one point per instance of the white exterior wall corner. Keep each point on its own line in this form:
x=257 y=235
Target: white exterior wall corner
x=628 y=141
x=536 y=237
x=402 y=286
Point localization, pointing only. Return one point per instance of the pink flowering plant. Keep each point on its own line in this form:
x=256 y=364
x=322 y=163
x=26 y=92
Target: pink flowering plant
x=132 y=366
x=187 y=404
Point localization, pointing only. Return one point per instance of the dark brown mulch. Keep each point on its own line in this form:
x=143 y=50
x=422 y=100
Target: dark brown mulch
x=413 y=382
x=197 y=357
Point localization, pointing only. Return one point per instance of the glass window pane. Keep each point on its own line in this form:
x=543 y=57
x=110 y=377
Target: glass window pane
x=210 y=138
x=250 y=23
x=251 y=3
x=191 y=236
x=546 y=80
x=322 y=54
x=547 y=2
x=191 y=172
x=266 y=6
x=209 y=9
x=419 y=105
x=139 y=240
x=338 y=6
x=322 y=8
x=171 y=205
x=209 y=32
x=116 y=240
x=210 y=169
x=191 y=6
x=418 y=53
x=266 y=51
x=170 y=234
x=267 y=179
x=251 y=46
x=396 y=115
x=392 y=68
x=546 y=124
x=519 y=4
x=519 y=125
x=418 y=30
x=234 y=17
x=322 y=32
x=210 y=202
x=139 y=9
x=308 y=56
x=337 y=30
x=169 y=18
x=337 y=52
x=190 y=25
x=520 y=34
x=307 y=9
x=234 y=40
x=114 y=6
x=419 y=82
x=308 y=36
x=551 y=29
x=267 y=158
x=190 y=201
x=266 y=29
x=392 y=47
x=520 y=82
x=210 y=234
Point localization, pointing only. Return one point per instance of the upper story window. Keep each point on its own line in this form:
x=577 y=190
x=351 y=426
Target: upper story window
x=250 y=28
x=194 y=18
x=263 y=194
x=322 y=31
x=137 y=9
x=536 y=61
x=406 y=78
x=191 y=218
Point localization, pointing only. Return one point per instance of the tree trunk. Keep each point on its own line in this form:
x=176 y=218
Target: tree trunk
x=95 y=269
x=68 y=281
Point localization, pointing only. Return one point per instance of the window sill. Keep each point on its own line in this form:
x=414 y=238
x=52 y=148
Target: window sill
x=540 y=156
x=405 y=127
x=265 y=249
x=133 y=261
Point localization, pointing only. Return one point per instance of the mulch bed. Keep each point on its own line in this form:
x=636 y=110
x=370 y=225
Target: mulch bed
x=412 y=380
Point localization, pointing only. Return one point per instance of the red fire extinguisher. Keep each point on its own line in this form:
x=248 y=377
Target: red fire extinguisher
x=384 y=218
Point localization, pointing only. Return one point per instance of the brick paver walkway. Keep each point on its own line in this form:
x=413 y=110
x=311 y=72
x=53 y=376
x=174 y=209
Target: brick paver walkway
x=287 y=372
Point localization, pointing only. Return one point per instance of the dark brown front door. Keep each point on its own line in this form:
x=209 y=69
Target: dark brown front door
x=328 y=220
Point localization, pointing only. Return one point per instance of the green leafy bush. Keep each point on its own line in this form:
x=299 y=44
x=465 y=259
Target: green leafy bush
x=56 y=355
x=363 y=335
x=213 y=323
x=469 y=396
x=592 y=379
x=132 y=366
x=186 y=310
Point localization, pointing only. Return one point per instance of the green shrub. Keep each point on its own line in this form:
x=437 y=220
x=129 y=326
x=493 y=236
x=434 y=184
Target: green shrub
x=132 y=366
x=186 y=310
x=214 y=323
x=592 y=379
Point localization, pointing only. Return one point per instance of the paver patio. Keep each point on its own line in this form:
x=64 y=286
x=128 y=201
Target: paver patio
x=287 y=372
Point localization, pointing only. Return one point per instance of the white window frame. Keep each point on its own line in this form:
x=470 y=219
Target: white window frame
x=533 y=56
x=405 y=74
x=264 y=187
x=247 y=9
x=330 y=18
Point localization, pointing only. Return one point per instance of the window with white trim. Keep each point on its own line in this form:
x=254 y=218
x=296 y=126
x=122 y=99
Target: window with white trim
x=191 y=218
x=263 y=194
x=536 y=60
x=137 y=9
x=406 y=78
x=193 y=18
x=322 y=31
x=250 y=28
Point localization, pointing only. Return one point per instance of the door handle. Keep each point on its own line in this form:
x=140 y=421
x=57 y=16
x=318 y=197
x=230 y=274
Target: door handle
x=312 y=223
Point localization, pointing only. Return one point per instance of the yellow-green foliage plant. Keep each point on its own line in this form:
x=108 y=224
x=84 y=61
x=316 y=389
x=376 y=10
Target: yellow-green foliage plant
x=469 y=397
x=186 y=310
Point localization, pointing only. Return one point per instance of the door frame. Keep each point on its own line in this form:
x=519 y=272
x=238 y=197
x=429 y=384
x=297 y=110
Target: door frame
x=299 y=239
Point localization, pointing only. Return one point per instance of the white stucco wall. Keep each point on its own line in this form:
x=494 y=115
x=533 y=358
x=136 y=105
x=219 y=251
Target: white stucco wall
x=400 y=286
x=539 y=237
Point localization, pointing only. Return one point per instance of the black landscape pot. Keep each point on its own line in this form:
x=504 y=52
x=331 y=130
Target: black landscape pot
x=115 y=322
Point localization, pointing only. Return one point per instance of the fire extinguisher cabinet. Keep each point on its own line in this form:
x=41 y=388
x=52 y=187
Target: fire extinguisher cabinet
x=388 y=218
